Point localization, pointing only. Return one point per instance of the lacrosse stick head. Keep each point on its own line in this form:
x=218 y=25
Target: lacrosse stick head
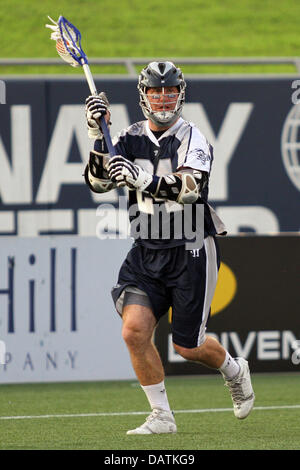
x=68 y=42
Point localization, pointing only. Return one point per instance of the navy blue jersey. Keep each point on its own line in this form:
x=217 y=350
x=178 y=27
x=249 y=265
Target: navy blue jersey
x=181 y=146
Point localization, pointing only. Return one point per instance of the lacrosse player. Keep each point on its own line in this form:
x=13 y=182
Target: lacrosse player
x=165 y=161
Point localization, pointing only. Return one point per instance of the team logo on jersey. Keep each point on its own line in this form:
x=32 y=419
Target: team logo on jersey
x=195 y=253
x=290 y=145
x=200 y=155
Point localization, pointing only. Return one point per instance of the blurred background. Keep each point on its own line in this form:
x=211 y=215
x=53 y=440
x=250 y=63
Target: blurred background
x=134 y=29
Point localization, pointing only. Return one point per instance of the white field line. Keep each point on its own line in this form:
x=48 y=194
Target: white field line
x=132 y=413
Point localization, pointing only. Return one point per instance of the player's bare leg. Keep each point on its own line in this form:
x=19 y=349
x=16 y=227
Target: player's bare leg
x=211 y=353
x=138 y=327
x=235 y=372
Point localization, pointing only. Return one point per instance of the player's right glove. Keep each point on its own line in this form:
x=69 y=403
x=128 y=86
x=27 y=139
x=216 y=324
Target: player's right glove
x=122 y=171
x=95 y=107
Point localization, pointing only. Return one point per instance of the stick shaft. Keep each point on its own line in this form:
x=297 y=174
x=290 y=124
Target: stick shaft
x=104 y=127
x=89 y=78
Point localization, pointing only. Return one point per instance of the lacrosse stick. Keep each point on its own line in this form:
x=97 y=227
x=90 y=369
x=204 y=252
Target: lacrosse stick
x=68 y=46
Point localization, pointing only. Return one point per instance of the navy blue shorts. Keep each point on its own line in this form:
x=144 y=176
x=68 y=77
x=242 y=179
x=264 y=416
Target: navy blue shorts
x=174 y=277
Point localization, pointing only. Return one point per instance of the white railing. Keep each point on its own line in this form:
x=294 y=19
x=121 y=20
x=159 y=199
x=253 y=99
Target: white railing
x=130 y=63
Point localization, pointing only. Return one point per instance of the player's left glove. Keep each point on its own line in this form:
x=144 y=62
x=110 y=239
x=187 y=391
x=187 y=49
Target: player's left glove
x=122 y=171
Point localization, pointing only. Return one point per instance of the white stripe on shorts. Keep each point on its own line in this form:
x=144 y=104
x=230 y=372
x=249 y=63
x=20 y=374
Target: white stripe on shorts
x=210 y=284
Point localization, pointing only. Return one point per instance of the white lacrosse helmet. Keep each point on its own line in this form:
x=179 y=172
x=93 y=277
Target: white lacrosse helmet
x=160 y=75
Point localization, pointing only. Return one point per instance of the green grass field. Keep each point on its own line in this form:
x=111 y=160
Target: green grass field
x=97 y=415
x=130 y=28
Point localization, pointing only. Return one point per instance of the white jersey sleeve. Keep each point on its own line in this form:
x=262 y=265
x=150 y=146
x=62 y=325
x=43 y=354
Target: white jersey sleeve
x=196 y=152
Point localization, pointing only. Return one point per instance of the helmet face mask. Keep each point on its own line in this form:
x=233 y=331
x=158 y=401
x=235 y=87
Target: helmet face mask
x=162 y=76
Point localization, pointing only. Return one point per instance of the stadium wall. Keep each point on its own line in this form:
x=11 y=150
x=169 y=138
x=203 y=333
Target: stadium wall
x=255 y=310
x=56 y=275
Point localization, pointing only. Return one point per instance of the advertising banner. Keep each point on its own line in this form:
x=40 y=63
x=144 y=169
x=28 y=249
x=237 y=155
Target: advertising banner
x=253 y=125
x=58 y=321
x=255 y=311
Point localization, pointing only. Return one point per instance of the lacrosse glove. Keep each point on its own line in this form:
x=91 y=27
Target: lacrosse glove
x=122 y=171
x=96 y=106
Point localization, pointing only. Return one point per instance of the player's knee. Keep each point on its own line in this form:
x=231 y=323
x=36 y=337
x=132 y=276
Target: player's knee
x=134 y=336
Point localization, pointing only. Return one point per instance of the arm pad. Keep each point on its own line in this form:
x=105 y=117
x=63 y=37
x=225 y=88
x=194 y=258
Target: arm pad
x=95 y=175
x=183 y=187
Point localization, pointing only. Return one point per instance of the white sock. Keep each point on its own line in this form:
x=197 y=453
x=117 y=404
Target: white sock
x=230 y=367
x=157 y=396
